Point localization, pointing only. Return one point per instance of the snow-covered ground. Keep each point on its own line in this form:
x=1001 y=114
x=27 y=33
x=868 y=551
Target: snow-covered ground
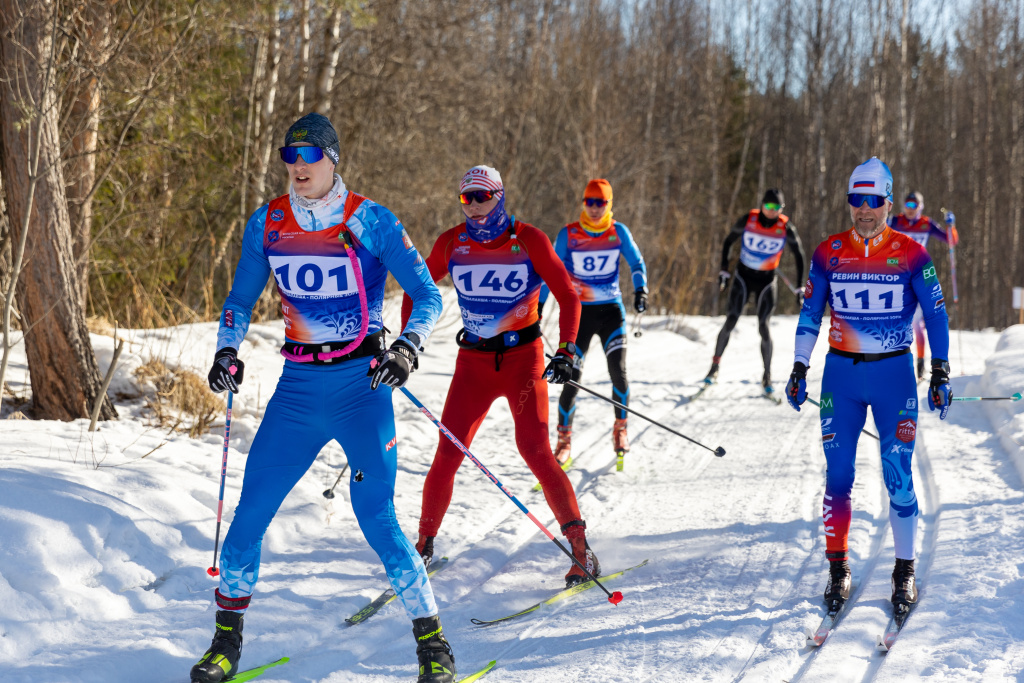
x=104 y=541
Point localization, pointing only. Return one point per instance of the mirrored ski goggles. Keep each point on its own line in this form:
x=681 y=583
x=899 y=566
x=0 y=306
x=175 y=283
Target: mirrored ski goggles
x=857 y=200
x=310 y=155
x=910 y=205
x=594 y=201
x=478 y=196
x=771 y=206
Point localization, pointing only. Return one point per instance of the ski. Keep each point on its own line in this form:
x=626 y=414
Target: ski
x=389 y=595
x=892 y=631
x=705 y=384
x=250 y=674
x=565 y=468
x=562 y=595
x=769 y=393
x=619 y=456
x=479 y=674
x=828 y=624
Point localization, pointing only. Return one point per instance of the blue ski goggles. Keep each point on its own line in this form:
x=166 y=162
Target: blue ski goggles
x=857 y=200
x=310 y=155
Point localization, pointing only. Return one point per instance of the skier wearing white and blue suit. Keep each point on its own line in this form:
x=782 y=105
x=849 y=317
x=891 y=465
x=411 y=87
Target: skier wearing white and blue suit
x=335 y=361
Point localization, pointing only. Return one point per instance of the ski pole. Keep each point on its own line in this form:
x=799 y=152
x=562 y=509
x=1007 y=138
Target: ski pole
x=638 y=331
x=717 y=451
x=1013 y=397
x=213 y=571
x=329 y=493
x=951 y=227
x=789 y=284
x=873 y=436
x=614 y=598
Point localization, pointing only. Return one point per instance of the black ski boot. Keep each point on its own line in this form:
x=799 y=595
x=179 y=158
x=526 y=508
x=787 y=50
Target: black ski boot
x=904 y=585
x=713 y=372
x=840 y=583
x=221 y=660
x=425 y=547
x=576 y=533
x=920 y=369
x=437 y=663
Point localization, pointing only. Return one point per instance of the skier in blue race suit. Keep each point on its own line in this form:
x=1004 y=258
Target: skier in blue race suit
x=330 y=251
x=873 y=278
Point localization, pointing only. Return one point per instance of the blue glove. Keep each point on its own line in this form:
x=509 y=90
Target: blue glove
x=796 y=388
x=940 y=394
x=950 y=218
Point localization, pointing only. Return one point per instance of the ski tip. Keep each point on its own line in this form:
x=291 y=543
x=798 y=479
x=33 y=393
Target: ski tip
x=720 y=452
x=615 y=598
x=213 y=571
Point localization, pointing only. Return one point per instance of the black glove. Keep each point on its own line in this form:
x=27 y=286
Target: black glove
x=640 y=300
x=723 y=279
x=796 y=388
x=540 y=308
x=940 y=394
x=559 y=370
x=226 y=373
x=393 y=367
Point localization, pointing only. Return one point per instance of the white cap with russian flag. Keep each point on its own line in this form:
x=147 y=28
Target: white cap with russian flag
x=481 y=178
x=871 y=177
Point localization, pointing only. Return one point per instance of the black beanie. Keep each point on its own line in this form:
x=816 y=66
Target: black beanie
x=317 y=130
x=773 y=196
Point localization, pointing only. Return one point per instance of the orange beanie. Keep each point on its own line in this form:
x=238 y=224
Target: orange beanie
x=598 y=189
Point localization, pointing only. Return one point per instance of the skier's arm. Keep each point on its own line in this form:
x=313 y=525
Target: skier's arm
x=925 y=283
x=793 y=240
x=437 y=267
x=809 y=324
x=631 y=252
x=734 y=234
x=400 y=257
x=947 y=237
x=251 y=275
x=552 y=271
x=562 y=249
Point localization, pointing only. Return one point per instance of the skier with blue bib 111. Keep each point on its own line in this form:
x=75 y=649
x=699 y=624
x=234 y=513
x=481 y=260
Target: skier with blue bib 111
x=873 y=278
x=330 y=252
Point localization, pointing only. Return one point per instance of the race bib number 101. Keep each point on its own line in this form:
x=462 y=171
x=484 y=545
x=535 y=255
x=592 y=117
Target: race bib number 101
x=313 y=276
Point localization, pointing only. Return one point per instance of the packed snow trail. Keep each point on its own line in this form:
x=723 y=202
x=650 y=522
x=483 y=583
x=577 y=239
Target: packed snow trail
x=103 y=552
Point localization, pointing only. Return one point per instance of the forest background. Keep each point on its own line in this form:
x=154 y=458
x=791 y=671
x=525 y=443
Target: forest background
x=138 y=136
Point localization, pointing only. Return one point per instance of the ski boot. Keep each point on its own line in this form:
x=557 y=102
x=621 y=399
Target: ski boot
x=713 y=372
x=221 y=660
x=904 y=584
x=563 y=449
x=920 y=369
x=425 y=547
x=575 y=533
x=437 y=663
x=840 y=583
x=769 y=390
x=620 y=442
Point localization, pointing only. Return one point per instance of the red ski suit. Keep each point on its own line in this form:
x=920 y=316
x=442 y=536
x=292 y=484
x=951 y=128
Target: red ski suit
x=477 y=383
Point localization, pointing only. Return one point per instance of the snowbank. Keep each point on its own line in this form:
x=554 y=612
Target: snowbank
x=1004 y=376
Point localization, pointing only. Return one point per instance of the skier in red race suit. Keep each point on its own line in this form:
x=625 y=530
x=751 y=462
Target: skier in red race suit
x=918 y=227
x=497 y=264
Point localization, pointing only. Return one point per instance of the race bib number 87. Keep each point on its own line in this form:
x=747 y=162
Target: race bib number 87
x=870 y=298
x=313 y=276
x=595 y=263
x=491 y=280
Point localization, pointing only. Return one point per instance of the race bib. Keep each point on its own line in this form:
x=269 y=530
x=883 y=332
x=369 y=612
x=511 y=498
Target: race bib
x=491 y=280
x=763 y=244
x=306 y=276
x=866 y=298
x=595 y=263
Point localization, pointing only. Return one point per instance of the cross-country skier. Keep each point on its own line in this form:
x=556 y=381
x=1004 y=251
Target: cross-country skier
x=765 y=233
x=496 y=263
x=303 y=239
x=590 y=249
x=873 y=278
x=914 y=224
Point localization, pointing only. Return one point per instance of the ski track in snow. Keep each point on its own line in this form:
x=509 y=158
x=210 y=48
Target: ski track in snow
x=103 y=554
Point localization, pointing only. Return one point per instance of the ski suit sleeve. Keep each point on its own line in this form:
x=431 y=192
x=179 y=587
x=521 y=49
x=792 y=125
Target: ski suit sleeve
x=562 y=250
x=925 y=283
x=251 y=275
x=815 y=295
x=936 y=231
x=437 y=266
x=552 y=271
x=734 y=234
x=631 y=252
x=400 y=257
x=793 y=240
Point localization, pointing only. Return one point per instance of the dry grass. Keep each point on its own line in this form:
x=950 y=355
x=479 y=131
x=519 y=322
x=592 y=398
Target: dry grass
x=180 y=400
